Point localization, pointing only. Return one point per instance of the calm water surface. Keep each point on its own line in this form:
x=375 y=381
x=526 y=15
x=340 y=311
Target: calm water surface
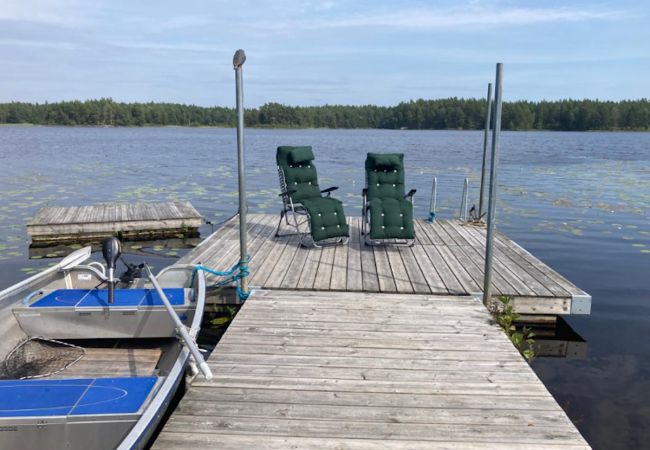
x=578 y=201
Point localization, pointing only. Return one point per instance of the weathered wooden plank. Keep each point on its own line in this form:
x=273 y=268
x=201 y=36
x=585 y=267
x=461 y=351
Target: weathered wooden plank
x=338 y=280
x=309 y=270
x=520 y=280
x=430 y=229
x=354 y=276
x=384 y=273
x=294 y=269
x=227 y=253
x=363 y=386
x=324 y=271
x=205 y=441
x=451 y=282
x=373 y=414
x=370 y=279
x=459 y=270
x=196 y=254
x=400 y=271
x=401 y=375
x=414 y=271
x=282 y=263
x=369 y=430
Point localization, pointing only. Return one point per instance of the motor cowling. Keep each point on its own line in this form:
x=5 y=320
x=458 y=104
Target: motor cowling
x=111 y=251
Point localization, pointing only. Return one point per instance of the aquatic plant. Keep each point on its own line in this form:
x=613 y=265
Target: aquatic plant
x=505 y=315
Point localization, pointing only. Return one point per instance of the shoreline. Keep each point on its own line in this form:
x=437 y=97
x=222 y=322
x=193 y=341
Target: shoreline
x=612 y=130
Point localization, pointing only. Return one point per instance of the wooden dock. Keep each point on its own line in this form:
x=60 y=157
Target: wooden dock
x=59 y=225
x=316 y=369
x=447 y=259
x=355 y=347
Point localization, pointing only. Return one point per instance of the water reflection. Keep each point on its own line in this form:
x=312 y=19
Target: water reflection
x=559 y=340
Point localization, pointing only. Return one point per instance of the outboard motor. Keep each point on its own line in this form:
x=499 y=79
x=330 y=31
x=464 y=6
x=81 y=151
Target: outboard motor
x=111 y=250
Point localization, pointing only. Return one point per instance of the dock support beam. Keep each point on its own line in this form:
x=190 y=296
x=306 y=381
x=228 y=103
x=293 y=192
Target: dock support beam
x=489 y=244
x=238 y=61
x=486 y=133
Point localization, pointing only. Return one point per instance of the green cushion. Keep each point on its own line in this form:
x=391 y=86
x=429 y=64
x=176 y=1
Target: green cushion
x=384 y=178
x=326 y=217
x=391 y=216
x=301 y=155
x=385 y=160
x=300 y=177
x=391 y=219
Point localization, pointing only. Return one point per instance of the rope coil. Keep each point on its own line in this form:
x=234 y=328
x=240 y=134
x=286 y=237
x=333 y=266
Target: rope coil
x=236 y=272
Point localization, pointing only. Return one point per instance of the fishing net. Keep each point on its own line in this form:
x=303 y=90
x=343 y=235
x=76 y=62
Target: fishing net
x=39 y=357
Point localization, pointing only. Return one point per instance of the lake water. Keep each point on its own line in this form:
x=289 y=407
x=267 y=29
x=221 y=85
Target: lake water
x=578 y=201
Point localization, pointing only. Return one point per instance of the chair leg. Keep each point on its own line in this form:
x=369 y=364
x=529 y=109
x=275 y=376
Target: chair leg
x=277 y=230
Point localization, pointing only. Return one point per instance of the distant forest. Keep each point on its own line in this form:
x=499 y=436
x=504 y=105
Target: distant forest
x=441 y=114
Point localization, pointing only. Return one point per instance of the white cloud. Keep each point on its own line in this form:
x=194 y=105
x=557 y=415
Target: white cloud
x=471 y=16
x=57 y=45
x=61 y=12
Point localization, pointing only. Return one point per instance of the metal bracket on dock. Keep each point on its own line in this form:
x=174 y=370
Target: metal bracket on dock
x=478 y=296
x=581 y=304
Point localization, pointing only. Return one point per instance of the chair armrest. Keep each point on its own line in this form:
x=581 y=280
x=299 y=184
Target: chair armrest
x=411 y=193
x=329 y=190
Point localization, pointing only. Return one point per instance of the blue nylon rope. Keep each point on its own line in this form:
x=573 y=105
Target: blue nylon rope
x=241 y=267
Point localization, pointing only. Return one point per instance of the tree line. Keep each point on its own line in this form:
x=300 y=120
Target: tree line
x=439 y=114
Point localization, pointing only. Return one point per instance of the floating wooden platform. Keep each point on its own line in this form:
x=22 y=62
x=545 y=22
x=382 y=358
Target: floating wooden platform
x=58 y=225
x=352 y=370
x=447 y=259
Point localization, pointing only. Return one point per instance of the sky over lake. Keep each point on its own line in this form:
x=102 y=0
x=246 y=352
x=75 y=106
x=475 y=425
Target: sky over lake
x=315 y=53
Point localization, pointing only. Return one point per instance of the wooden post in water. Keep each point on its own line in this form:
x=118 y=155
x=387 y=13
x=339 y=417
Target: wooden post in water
x=238 y=61
x=489 y=244
x=488 y=116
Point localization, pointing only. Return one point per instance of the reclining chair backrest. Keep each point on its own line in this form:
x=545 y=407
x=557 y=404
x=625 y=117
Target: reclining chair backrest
x=297 y=164
x=385 y=175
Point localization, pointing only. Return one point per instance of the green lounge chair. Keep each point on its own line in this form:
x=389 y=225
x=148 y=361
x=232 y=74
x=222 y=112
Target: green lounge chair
x=387 y=214
x=321 y=219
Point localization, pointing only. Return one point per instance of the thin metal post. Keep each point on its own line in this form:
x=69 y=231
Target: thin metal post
x=434 y=199
x=487 y=281
x=238 y=61
x=462 y=215
x=486 y=132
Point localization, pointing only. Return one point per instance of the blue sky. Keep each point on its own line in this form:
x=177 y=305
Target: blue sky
x=314 y=53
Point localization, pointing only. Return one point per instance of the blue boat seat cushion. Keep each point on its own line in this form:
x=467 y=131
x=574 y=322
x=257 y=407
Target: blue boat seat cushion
x=98 y=298
x=74 y=397
x=326 y=216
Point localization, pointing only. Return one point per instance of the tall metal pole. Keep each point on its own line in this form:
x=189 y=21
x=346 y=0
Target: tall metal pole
x=238 y=61
x=488 y=116
x=462 y=215
x=489 y=247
